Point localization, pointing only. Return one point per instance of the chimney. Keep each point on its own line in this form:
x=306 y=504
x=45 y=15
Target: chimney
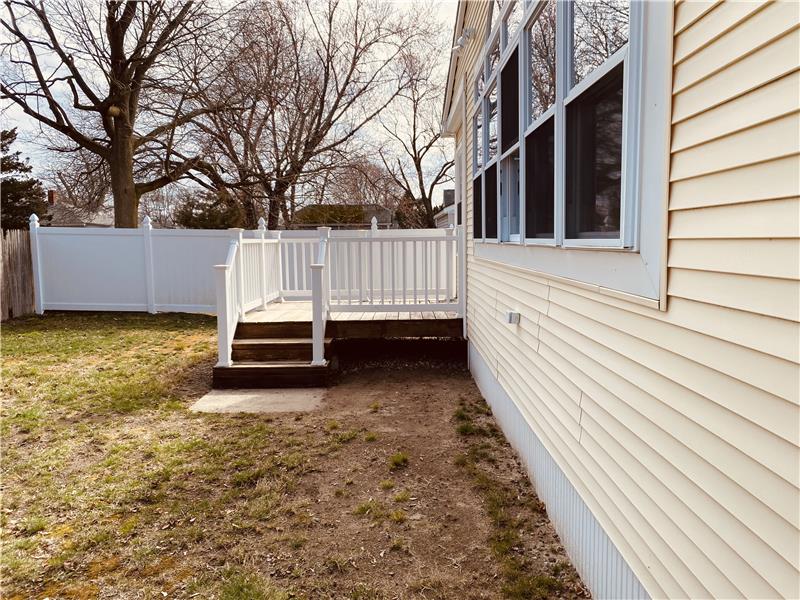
x=52 y=197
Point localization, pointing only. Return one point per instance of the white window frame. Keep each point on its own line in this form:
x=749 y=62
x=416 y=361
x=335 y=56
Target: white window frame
x=632 y=262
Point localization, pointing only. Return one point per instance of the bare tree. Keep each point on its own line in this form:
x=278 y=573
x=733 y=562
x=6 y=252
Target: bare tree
x=414 y=153
x=311 y=76
x=82 y=181
x=114 y=79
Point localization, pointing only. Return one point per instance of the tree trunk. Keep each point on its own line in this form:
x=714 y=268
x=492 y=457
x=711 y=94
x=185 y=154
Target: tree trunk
x=126 y=203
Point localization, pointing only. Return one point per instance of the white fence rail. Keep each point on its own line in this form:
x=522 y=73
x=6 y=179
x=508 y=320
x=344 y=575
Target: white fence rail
x=160 y=270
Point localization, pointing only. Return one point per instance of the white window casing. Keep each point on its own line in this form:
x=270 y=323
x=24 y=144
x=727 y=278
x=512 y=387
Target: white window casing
x=632 y=262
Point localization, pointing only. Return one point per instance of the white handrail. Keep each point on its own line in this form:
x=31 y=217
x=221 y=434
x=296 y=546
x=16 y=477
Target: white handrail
x=227 y=304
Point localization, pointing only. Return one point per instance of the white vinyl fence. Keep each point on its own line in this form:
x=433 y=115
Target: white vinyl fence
x=170 y=270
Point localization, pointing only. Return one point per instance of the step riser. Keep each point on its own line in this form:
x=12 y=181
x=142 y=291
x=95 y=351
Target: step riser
x=232 y=378
x=249 y=331
x=267 y=352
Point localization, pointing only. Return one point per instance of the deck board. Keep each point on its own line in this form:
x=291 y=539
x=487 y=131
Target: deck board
x=300 y=311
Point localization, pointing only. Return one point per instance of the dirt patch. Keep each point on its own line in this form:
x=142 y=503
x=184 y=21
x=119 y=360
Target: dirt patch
x=399 y=486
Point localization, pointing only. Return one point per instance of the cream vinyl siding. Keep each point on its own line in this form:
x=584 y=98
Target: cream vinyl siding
x=680 y=428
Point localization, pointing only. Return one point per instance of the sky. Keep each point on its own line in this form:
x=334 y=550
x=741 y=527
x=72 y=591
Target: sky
x=29 y=131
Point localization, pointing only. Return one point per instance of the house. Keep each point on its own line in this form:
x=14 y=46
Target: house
x=632 y=301
x=446 y=215
x=63 y=215
x=342 y=216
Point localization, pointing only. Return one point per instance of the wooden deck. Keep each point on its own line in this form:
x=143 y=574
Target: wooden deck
x=300 y=311
x=273 y=347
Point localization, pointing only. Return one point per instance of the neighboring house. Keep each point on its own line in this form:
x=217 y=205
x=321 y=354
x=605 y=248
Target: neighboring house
x=61 y=215
x=446 y=216
x=342 y=216
x=636 y=208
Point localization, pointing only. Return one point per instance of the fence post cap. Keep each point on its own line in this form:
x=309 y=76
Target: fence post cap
x=34 y=220
x=147 y=223
x=262 y=224
x=374 y=223
x=324 y=232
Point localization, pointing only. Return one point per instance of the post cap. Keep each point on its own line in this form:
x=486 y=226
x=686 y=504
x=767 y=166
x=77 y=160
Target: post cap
x=34 y=220
x=262 y=224
x=146 y=222
x=374 y=222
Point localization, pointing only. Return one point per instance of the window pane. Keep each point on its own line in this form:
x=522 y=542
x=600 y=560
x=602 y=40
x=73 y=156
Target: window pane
x=509 y=111
x=492 y=123
x=477 y=140
x=512 y=22
x=594 y=159
x=542 y=53
x=491 y=202
x=495 y=9
x=600 y=28
x=477 y=209
x=494 y=57
x=540 y=181
x=509 y=195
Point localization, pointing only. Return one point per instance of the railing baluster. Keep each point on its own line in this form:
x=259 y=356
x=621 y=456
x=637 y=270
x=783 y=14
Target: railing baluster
x=438 y=269
x=450 y=240
x=349 y=274
x=425 y=268
x=371 y=272
x=403 y=249
x=360 y=274
x=414 y=268
x=394 y=292
x=383 y=287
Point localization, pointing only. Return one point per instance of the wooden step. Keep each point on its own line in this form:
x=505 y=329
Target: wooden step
x=275 y=374
x=271 y=349
x=282 y=329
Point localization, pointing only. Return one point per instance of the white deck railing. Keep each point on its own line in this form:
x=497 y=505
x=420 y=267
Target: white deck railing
x=413 y=271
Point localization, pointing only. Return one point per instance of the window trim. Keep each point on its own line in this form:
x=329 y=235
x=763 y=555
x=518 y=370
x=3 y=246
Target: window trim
x=634 y=264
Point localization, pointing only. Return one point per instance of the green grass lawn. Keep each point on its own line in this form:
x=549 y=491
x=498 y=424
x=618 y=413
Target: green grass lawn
x=105 y=474
x=112 y=488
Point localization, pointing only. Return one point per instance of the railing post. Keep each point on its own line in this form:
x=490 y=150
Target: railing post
x=223 y=312
x=262 y=270
x=238 y=236
x=38 y=287
x=449 y=258
x=318 y=323
x=462 y=280
x=149 y=276
x=280 y=266
x=324 y=237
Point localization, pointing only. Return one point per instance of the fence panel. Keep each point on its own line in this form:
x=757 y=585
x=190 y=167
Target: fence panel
x=17 y=274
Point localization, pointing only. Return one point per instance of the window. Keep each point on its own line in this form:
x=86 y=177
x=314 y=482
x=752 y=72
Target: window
x=574 y=180
x=599 y=29
x=490 y=195
x=509 y=197
x=509 y=87
x=512 y=23
x=477 y=208
x=560 y=86
x=491 y=110
x=477 y=141
x=540 y=181
x=594 y=160
x=542 y=62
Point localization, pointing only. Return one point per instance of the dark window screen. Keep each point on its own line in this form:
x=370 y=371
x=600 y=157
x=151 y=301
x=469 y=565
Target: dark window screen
x=491 y=202
x=594 y=160
x=509 y=98
x=540 y=181
x=477 y=209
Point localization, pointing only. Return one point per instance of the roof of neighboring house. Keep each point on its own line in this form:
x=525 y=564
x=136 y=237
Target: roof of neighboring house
x=342 y=214
x=61 y=215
